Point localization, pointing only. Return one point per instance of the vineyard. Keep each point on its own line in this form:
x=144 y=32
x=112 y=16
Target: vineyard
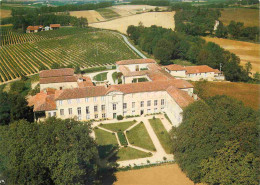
x=23 y=54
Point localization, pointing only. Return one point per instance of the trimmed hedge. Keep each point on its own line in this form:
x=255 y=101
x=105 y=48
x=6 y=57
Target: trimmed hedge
x=122 y=138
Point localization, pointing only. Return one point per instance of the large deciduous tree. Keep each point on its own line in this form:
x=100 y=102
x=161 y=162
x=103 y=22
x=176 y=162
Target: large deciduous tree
x=54 y=152
x=207 y=125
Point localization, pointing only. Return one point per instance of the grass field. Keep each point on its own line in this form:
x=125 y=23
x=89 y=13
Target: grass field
x=116 y=127
x=138 y=136
x=127 y=153
x=91 y=15
x=100 y=77
x=162 y=134
x=107 y=13
x=105 y=138
x=247 y=93
x=24 y=53
x=247 y=52
x=164 y=19
x=159 y=175
x=250 y=17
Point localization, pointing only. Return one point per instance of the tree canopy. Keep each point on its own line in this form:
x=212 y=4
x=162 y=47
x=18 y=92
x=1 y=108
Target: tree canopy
x=206 y=128
x=54 y=152
x=167 y=45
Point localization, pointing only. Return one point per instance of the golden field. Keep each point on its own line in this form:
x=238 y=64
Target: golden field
x=247 y=52
x=5 y=13
x=249 y=94
x=250 y=17
x=164 y=19
x=160 y=175
x=91 y=15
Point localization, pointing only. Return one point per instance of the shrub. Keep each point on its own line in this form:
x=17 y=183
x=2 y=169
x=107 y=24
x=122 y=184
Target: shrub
x=122 y=138
x=120 y=117
x=153 y=117
x=164 y=158
x=148 y=161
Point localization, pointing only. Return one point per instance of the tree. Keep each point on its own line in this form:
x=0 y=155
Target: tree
x=248 y=67
x=221 y=31
x=235 y=29
x=156 y=9
x=230 y=166
x=5 y=109
x=54 y=152
x=77 y=69
x=83 y=22
x=207 y=125
x=163 y=51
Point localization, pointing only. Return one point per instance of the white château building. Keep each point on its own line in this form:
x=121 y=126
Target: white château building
x=81 y=99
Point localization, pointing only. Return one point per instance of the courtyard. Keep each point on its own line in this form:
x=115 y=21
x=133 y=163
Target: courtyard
x=134 y=141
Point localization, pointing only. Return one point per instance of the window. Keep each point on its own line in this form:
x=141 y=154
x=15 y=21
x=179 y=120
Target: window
x=54 y=114
x=149 y=103
x=87 y=110
x=79 y=118
x=95 y=99
x=102 y=98
x=69 y=101
x=133 y=112
x=142 y=103
x=155 y=109
x=49 y=114
x=103 y=115
x=125 y=112
x=103 y=107
x=86 y=99
x=155 y=102
x=148 y=111
x=79 y=110
x=133 y=104
x=95 y=108
x=96 y=116
x=88 y=117
x=162 y=101
x=124 y=105
x=78 y=100
x=60 y=102
x=70 y=111
x=114 y=106
x=61 y=112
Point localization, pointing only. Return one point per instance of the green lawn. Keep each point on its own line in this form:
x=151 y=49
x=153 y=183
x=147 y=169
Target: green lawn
x=107 y=13
x=116 y=127
x=105 y=138
x=127 y=153
x=162 y=134
x=100 y=77
x=138 y=136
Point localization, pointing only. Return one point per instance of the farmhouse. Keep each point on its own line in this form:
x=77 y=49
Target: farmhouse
x=161 y=93
x=33 y=29
x=54 y=26
x=194 y=73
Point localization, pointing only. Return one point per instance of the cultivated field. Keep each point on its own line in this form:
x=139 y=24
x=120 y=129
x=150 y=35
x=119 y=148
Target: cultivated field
x=91 y=15
x=164 y=175
x=247 y=93
x=250 y=17
x=24 y=53
x=5 y=13
x=126 y=10
x=164 y=19
x=247 y=52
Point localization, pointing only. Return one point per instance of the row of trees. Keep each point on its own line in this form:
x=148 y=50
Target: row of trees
x=25 y=17
x=199 y=21
x=218 y=142
x=166 y=45
x=237 y=30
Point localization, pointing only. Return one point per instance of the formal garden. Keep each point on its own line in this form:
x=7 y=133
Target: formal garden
x=128 y=139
